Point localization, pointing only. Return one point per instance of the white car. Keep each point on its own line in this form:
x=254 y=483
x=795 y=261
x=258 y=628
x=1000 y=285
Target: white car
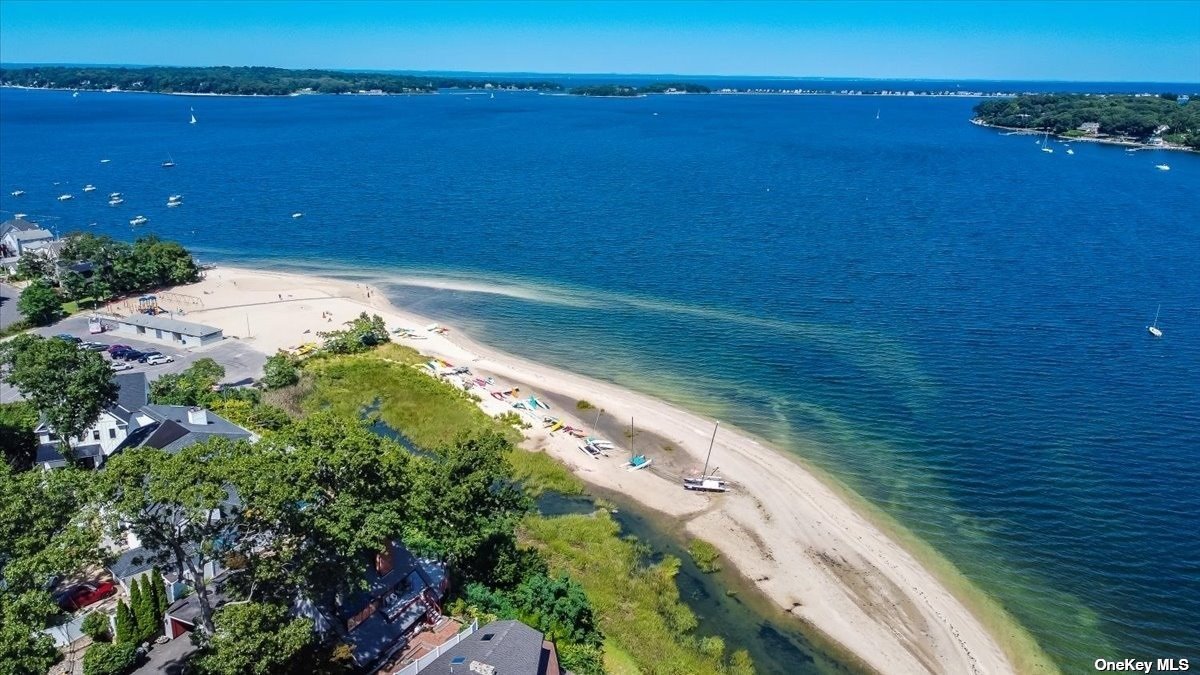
x=118 y=366
x=158 y=360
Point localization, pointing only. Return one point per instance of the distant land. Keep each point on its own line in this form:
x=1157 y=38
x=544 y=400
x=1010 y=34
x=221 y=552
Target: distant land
x=1166 y=120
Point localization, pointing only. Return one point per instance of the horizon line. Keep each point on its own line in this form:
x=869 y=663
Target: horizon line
x=14 y=64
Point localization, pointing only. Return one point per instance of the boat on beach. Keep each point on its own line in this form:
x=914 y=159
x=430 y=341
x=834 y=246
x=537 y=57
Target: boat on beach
x=707 y=482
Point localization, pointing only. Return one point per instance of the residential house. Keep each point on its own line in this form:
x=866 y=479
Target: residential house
x=499 y=648
x=1090 y=128
x=132 y=422
x=19 y=237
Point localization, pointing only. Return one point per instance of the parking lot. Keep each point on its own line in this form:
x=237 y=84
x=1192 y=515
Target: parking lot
x=242 y=364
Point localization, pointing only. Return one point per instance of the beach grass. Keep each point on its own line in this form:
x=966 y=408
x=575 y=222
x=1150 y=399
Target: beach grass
x=645 y=624
x=539 y=473
x=705 y=555
x=429 y=411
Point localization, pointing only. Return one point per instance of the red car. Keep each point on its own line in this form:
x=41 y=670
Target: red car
x=82 y=595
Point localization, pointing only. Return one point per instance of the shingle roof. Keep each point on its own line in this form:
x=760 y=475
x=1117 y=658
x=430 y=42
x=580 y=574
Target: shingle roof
x=19 y=225
x=174 y=432
x=133 y=393
x=512 y=647
x=47 y=453
x=172 y=325
x=32 y=235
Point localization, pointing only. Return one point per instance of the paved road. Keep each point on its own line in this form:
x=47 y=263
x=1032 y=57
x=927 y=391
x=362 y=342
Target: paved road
x=8 y=305
x=167 y=658
x=242 y=364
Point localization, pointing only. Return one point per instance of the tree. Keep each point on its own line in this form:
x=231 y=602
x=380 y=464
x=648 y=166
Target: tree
x=178 y=505
x=109 y=659
x=280 y=371
x=96 y=626
x=127 y=628
x=193 y=386
x=465 y=507
x=160 y=594
x=19 y=444
x=362 y=333
x=145 y=609
x=255 y=639
x=34 y=265
x=137 y=610
x=40 y=303
x=68 y=385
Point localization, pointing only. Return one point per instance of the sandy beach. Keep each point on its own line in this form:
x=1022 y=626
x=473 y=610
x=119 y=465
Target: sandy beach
x=795 y=537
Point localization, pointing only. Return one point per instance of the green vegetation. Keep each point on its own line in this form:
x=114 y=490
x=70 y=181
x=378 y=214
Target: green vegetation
x=66 y=384
x=637 y=607
x=40 y=303
x=584 y=405
x=245 y=80
x=198 y=386
x=706 y=556
x=109 y=659
x=361 y=334
x=429 y=411
x=624 y=90
x=255 y=639
x=280 y=371
x=19 y=445
x=539 y=473
x=95 y=626
x=1127 y=116
x=120 y=268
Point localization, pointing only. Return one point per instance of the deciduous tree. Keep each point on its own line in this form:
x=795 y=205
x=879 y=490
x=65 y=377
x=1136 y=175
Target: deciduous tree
x=255 y=639
x=40 y=303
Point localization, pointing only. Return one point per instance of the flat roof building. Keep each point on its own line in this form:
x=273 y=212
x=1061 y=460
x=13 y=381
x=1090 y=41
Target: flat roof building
x=165 y=331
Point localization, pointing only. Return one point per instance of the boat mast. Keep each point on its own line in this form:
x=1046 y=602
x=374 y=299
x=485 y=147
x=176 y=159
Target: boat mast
x=1155 y=324
x=704 y=473
x=631 y=437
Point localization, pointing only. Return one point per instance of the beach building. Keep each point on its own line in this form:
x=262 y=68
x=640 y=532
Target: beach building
x=499 y=647
x=20 y=237
x=164 y=330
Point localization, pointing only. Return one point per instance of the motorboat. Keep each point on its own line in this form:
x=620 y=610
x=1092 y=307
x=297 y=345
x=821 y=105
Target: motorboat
x=1162 y=167
x=139 y=220
x=89 y=188
x=115 y=200
x=17 y=193
x=63 y=198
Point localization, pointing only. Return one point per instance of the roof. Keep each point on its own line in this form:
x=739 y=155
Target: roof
x=47 y=453
x=172 y=325
x=31 y=235
x=133 y=392
x=18 y=225
x=173 y=432
x=188 y=609
x=509 y=646
x=131 y=563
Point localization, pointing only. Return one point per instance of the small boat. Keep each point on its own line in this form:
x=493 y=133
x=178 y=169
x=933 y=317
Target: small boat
x=19 y=216
x=1070 y=151
x=1162 y=167
x=638 y=462
x=1045 y=141
x=876 y=113
x=170 y=162
x=75 y=94
x=590 y=451
x=1153 y=328
x=172 y=205
x=193 y=114
x=707 y=482
x=297 y=215
x=17 y=193
x=89 y=188
x=115 y=200
x=63 y=198
x=114 y=195
x=175 y=200
x=105 y=161
x=139 y=220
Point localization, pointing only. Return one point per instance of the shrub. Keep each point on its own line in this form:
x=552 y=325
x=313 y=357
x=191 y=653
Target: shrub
x=707 y=558
x=40 y=303
x=95 y=626
x=103 y=658
x=280 y=371
x=584 y=405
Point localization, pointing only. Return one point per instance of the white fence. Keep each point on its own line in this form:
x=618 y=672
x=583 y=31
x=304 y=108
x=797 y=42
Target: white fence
x=418 y=665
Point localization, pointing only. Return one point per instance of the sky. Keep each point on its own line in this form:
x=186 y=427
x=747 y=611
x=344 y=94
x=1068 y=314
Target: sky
x=1066 y=40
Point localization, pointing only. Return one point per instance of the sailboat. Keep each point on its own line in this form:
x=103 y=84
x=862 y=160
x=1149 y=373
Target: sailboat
x=169 y=163
x=193 y=113
x=636 y=462
x=707 y=482
x=1153 y=328
x=876 y=113
x=1045 y=143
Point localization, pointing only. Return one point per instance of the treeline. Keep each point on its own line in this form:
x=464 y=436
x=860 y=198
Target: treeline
x=629 y=90
x=1130 y=116
x=245 y=80
x=99 y=268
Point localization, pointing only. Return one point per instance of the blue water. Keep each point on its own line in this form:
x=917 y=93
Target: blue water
x=947 y=319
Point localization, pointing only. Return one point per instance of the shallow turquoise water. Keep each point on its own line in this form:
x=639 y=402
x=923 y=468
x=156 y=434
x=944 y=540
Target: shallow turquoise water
x=947 y=319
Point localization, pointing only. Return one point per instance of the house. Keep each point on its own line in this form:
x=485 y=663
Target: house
x=165 y=331
x=402 y=595
x=1090 y=128
x=182 y=615
x=499 y=648
x=19 y=237
x=131 y=422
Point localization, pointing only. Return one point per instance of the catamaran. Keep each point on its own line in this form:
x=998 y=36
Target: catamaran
x=707 y=482
x=1153 y=328
x=636 y=462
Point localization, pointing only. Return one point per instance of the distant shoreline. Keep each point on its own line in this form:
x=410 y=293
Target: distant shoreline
x=1137 y=145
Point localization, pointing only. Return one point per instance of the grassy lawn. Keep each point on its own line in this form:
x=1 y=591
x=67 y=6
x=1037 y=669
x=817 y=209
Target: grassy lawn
x=647 y=629
x=75 y=306
x=540 y=472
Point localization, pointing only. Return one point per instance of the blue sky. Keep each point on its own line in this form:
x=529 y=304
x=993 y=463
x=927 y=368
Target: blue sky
x=1111 y=41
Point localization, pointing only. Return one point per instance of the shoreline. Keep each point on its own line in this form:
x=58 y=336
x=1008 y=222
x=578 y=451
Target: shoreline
x=813 y=548
x=1084 y=139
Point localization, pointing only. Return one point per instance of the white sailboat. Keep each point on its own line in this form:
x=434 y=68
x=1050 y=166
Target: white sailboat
x=1162 y=167
x=1153 y=328
x=193 y=114
x=169 y=163
x=707 y=482
x=1045 y=143
x=636 y=462
x=876 y=113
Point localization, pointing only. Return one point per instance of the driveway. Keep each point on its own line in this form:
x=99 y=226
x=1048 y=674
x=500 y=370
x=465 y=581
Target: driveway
x=8 y=305
x=168 y=658
x=242 y=364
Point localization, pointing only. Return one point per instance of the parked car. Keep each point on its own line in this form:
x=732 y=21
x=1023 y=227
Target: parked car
x=118 y=366
x=158 y=360
x=95 y=346
x=69 y=338
x=132 y=355
x=147 y=355
x=120 y=353
x=113 y=349
x=82 y=595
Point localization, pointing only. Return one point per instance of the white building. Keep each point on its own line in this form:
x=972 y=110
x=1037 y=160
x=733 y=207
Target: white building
x=163 y=330
x=19 y=237
x=108 y=433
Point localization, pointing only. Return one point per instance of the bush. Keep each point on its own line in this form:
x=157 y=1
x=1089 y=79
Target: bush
x=96 y=626
x=584 y=405
x=103 y=658
x=707 y=558
x=280 y=371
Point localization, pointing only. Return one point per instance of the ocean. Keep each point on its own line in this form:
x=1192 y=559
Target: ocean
x=946 y=319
